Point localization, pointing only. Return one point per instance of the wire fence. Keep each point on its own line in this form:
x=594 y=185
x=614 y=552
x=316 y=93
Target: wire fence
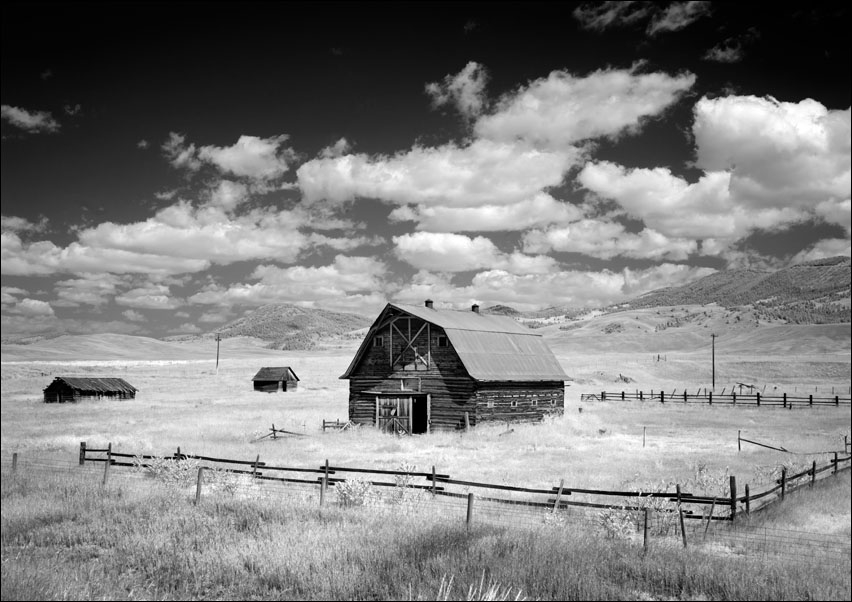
x=722 y=538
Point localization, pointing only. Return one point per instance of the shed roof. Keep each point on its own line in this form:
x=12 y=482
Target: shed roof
x=492 y=348
x=95 y=385
x=276 y=373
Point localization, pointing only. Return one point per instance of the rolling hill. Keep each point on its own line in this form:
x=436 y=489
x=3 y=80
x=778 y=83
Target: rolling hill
x=286 y=326
x=815 y=292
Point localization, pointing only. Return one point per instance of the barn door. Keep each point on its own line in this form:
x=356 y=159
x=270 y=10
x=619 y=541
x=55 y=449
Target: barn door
x=393 y=414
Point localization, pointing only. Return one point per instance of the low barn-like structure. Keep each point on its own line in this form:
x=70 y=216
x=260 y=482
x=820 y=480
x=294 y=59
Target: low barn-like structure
x=72 y=388
x=273 y=379
x=421 y=368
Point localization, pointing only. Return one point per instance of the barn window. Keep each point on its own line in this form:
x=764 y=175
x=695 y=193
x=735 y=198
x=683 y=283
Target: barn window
x=379 y=342
x=443 y=342
x=535 y=402
x=553 y=402
x=514 y=403
x=490 y=403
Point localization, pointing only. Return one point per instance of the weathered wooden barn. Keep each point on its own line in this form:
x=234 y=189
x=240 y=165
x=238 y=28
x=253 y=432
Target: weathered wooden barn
x=273 y=379
x=421 y=368
x=72 y=388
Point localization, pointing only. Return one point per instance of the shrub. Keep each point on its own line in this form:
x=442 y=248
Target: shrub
x=355 y=492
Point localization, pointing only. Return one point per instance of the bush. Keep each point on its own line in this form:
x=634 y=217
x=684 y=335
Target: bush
x=355 y=492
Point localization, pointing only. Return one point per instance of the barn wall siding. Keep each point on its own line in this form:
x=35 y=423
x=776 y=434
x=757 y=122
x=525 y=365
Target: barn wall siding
x=532 y=401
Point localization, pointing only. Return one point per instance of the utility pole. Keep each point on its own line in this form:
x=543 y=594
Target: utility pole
x=713 y=339
x=218 y=338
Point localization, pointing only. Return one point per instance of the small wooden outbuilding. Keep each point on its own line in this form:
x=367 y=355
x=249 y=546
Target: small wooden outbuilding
x=273 y=379
x=72 y=388
x=421 y=369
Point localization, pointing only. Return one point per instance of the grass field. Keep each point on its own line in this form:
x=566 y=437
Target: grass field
x=58 y=543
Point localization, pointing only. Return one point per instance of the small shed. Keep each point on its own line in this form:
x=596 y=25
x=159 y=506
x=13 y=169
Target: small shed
x=72 y=388
x=274 y=379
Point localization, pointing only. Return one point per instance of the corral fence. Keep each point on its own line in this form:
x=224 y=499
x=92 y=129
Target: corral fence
x=688 y=506
x=647 y=519
x=731 y=398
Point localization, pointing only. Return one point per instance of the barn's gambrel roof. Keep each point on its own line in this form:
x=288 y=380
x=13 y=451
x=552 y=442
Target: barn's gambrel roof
x=491 y=348
x=275 y=373
x=95 y=385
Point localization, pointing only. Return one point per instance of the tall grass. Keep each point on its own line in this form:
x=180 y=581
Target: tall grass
x=67 y=537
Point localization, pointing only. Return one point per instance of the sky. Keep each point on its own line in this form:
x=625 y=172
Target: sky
x=169 y=167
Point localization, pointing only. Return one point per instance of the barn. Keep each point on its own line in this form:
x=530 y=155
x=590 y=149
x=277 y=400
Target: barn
x=273 y=379
x=421 y=368
x=72 y=388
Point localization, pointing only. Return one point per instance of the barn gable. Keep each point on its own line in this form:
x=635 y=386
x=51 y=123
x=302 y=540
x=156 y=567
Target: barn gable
x=420 y=368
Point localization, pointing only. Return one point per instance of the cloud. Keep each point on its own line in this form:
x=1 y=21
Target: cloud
x=338 y=149
x=830 y=247
x=540 y=210
x=677 y=16
x=151 y=296
x=674 y=17
x=228 y=195
x=33 y=307
x=134 y=316
x=346 y=284
x=482 y=173
x=446 y=252
x=779 y=154
x=252 y=157
x=187 y=328
x=95 y=289
x=607 y=240
x=143 y=144
x=561 y=110
x=72 y=109
x=576 y=288
x=11 y=223
x=732 y=49
x=30 y=121
x=599 y=16
x=465 y=90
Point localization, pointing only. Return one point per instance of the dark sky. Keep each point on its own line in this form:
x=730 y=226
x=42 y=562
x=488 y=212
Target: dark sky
x=169 y=166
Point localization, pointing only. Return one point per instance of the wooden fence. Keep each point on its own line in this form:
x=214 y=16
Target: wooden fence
x=553 y=498
x=731 y=398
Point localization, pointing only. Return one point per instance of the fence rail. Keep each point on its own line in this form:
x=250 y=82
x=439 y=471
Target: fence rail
x=731 y=398
x=688 y=504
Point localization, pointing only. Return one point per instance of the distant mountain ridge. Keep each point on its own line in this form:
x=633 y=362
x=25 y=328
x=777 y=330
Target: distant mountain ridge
x=814 y=292
x=287 y=326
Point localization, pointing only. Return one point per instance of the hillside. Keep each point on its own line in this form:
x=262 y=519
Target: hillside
x=286 y=326
x=815 y=292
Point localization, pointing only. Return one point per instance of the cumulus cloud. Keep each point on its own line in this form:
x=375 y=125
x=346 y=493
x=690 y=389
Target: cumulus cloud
x=561 y=110
x=260 y=159
x=34 y=122
x=540 y=210
x=830 y=247
x=465 y=90
x=447 y=252
x=33 y=307
x=95 y=289
x=11 y=223
x=346 y=284
x=778 y=153
x=133 y=315
x=151 y=296
x=484 y=172
x=607 y=240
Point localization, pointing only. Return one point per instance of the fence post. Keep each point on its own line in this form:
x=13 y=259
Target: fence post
x=558 y=496
x=603 y=395
x=433 y=479
x=733 y=497
x=622 y=396
x=810 y=400
x=739 y=442
x=469 y=508
x=835 y=464
x=82 y=452
x=680 y=514
x=758 y=399
x=783 y=482
x=711 y=398
x=198 y=485
x=641 y=398
x=684 y=396
x=254 y=466
x=645 y=530
x=837 y=400
x=662 y=396
x=813 y=473
x=785 y=400
x=733 y=398
x=14 y=462
x=710 y=517
x=274 y=434
x=177 y=455
x=108 y=462
x=323 y=485
x=747 y=501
